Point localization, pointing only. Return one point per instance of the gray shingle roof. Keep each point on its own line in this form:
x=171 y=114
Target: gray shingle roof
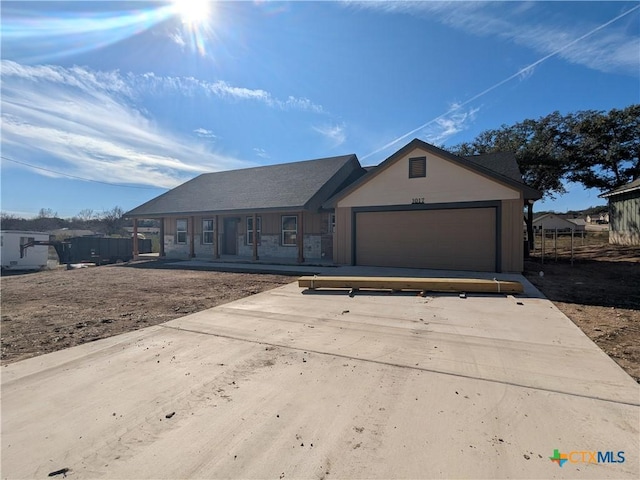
x=298 y=185
x=503 y=163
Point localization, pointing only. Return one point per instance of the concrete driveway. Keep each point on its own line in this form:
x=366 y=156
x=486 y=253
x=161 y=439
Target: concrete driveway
x=320 y=385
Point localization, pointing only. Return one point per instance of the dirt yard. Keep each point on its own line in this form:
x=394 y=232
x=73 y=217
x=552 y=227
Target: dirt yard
x=47 y=311
x=600 y=293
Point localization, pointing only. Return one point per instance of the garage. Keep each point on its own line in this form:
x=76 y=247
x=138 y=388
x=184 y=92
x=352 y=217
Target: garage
x=452 y=239
x=424 y=207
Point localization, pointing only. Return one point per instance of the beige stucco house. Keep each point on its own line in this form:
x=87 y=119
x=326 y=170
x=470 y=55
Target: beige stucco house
x=422 y=207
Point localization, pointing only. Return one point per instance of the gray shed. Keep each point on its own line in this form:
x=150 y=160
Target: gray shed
x=624 y=214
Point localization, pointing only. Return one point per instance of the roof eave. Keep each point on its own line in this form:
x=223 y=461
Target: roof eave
x=201 y=213
x=618 y=192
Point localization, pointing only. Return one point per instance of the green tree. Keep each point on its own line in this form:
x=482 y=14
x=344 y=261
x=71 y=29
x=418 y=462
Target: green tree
x=538 y=146
x=597 y=149
x=605 y=148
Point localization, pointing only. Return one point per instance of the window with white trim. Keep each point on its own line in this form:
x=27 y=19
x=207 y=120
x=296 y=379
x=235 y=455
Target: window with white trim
x=181 y=230
x=207 y=231
x=250 y=229
x=290 y=230
x=332 y=222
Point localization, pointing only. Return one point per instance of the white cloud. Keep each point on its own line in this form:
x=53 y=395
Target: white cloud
x=83 y=123
x=526 y=72
x=88 y=124
x=149 y=83
x=204 y=133
x=538 y=26
x=449 y=124
x=334 y=133
x=301 y=104
x=178 y=39
x=262 y=153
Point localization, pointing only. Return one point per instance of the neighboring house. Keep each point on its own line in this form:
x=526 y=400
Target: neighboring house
x=422 y=207
x=33 y=258
x=624 y=214
x=144 y=230
x=551 y=221
x=598 y=218
x=580 y=224
x=62 y=233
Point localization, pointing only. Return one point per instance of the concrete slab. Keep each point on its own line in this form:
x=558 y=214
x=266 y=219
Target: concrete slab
x=292 y=268
x=248 y=267
x=285 y=384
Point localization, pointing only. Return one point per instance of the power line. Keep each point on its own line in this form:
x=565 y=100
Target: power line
x=78 y=178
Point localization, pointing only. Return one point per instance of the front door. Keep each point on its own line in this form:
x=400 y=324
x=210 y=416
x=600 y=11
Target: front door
x=230 y=236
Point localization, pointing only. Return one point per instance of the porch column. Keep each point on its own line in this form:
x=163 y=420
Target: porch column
x=162 y=254
x=216 y=239
x=135 y=239
x=192 y=228
x=300 y=237
x=255 y=237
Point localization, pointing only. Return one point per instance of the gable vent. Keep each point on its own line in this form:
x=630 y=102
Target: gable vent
x=417 y=167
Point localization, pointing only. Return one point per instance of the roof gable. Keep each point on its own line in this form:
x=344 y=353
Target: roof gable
x=506 y=173
x=298 y=185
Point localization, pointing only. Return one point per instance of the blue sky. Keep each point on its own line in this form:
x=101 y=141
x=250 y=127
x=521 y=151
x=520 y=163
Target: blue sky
x=112 y=103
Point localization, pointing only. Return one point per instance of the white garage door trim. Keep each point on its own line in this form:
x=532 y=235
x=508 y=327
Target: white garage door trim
x=495 y=205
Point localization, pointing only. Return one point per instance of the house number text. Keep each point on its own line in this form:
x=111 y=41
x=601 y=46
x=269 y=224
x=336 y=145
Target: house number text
x=417 y=200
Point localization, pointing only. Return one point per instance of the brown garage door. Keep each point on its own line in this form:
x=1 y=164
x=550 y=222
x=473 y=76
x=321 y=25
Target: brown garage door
x=453 y=239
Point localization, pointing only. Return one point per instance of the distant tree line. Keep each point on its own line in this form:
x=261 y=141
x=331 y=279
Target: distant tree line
x=108 y=222
x=594 y=148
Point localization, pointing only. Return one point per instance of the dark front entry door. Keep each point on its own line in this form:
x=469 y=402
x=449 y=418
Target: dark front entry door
x=230 y=236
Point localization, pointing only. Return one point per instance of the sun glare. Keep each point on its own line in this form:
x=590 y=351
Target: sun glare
x=193 y=12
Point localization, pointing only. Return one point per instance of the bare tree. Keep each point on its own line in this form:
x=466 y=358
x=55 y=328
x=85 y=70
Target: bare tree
x=86 y=215
x=112 y=220
x=47 y=213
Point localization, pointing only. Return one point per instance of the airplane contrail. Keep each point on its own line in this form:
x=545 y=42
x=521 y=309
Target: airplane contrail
x=458 y=106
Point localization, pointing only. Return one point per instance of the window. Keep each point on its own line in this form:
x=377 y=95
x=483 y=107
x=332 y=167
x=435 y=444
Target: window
x=181 y=230
x=418 y=167
x=332 y=222
x=250 y=229
x=207 y=232
x=289 y=230
x=24 y=241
